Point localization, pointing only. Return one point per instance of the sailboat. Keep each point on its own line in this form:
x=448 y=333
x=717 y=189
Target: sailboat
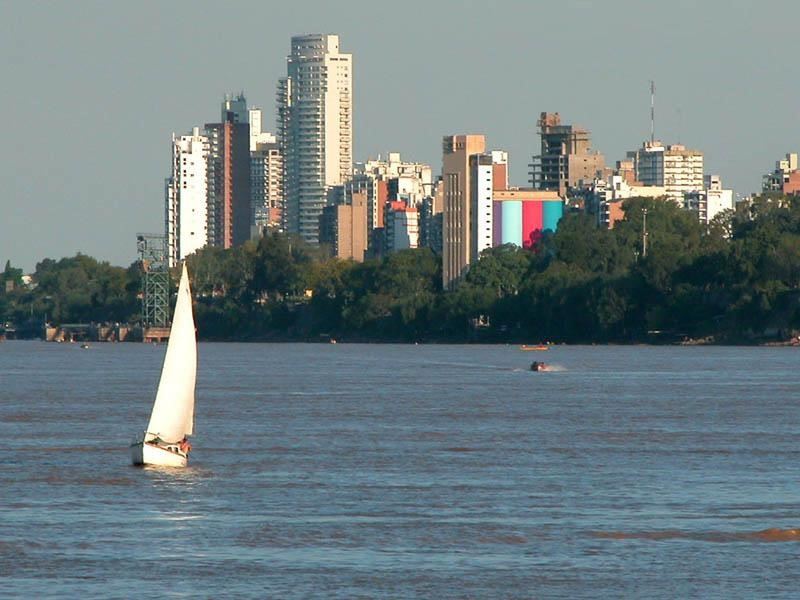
x=165 y=443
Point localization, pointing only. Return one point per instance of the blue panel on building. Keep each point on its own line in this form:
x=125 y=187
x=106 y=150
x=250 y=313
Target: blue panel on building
x=551 y=214
x=512 y=222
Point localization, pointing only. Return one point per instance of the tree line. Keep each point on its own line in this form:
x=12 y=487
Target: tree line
x=733 y=281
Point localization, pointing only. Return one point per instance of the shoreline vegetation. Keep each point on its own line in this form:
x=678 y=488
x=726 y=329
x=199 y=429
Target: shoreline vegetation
x=733 y=282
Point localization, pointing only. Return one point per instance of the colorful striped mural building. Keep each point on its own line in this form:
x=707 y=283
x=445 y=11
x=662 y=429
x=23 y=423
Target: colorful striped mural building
x=521 y=216
x=480 y=209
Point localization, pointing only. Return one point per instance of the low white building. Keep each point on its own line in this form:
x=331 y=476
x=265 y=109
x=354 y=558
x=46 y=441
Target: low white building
x=611 y=192
x=414 y=181
x=186 y=196
x=710 y=201
x=785 y=178
x=402 y=227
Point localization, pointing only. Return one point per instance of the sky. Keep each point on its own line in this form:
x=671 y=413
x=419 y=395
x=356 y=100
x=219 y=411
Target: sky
x=91 y=92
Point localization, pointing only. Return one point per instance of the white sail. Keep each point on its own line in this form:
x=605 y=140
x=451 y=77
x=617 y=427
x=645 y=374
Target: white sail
x=173 y=412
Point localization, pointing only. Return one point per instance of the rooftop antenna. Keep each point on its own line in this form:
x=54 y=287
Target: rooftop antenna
x=652 y=111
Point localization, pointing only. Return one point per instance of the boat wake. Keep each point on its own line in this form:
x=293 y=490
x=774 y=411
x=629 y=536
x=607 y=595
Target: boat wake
x=765 y=535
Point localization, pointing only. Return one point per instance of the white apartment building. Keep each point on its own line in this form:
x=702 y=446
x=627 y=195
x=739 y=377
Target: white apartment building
x=257 y=133
x=266 y=177
x=315 y=120
x=414 y=181
x=483 y=185
x=186 y=196
x=611 y=192
x=677 y=169
x=710 y=201
x=402 y=227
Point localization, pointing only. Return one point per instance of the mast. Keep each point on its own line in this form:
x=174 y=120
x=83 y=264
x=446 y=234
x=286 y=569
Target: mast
x=644 y=233
x=652 y=111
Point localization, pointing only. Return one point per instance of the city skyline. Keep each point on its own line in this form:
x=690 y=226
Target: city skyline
x=99 y=96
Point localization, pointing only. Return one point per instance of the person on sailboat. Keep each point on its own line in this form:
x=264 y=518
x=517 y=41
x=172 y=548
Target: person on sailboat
x=185 y=446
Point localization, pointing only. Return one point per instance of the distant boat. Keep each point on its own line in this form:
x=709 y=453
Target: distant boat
x=85 y=346
x=165 y=443
x=529 y=348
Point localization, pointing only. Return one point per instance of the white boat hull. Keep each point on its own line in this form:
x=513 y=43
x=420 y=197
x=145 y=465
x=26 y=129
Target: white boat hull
x=150 y=454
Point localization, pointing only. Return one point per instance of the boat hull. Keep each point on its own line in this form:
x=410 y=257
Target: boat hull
x=150 y=454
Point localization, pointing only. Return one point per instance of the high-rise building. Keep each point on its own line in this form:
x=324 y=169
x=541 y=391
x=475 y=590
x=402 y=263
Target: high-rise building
x=674 y=167
x=488 y=172
x=430 y=225
x=257 y=133
x=229 y=197
x=566 y=159
x=456 y=221
x=315 y=128
x=186 y=196
x=266 y=187
x=482 y=211
x=266 y=177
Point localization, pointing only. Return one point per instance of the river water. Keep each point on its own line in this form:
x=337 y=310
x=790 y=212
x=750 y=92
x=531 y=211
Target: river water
x=392 y=471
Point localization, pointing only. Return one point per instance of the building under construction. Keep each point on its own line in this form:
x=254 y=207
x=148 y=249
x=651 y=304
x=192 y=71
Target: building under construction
x=566 y=159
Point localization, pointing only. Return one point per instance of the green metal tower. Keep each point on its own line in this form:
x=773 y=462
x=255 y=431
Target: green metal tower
x=155 y=280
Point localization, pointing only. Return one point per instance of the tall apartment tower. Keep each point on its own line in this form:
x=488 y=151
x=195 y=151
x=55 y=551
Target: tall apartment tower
x=675 y=167
x=488 y=173
x=566 y=158
x=315 y=128
x=266 y=177
x=266 y=187
x=229 y=197
x=457 y=222
x=186 y=196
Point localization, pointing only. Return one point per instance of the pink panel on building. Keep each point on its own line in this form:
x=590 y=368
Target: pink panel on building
x=531 y=222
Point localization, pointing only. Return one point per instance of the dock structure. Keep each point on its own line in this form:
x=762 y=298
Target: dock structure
x=155 y=334
x=88 y=332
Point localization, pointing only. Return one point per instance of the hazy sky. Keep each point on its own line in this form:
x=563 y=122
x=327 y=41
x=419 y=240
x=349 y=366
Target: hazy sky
x=92 y=91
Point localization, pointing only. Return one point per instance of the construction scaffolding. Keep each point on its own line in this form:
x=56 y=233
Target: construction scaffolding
x=155 y=279
x=566 y=157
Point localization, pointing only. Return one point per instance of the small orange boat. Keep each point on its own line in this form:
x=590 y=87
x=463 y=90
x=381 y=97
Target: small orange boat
x=529 y=348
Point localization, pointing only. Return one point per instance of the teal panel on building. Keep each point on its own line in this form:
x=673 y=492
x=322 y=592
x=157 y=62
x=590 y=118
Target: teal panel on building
x=552 y=212
x=512 y=222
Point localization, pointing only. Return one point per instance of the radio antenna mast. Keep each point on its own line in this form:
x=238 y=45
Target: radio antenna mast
x=652 y=111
